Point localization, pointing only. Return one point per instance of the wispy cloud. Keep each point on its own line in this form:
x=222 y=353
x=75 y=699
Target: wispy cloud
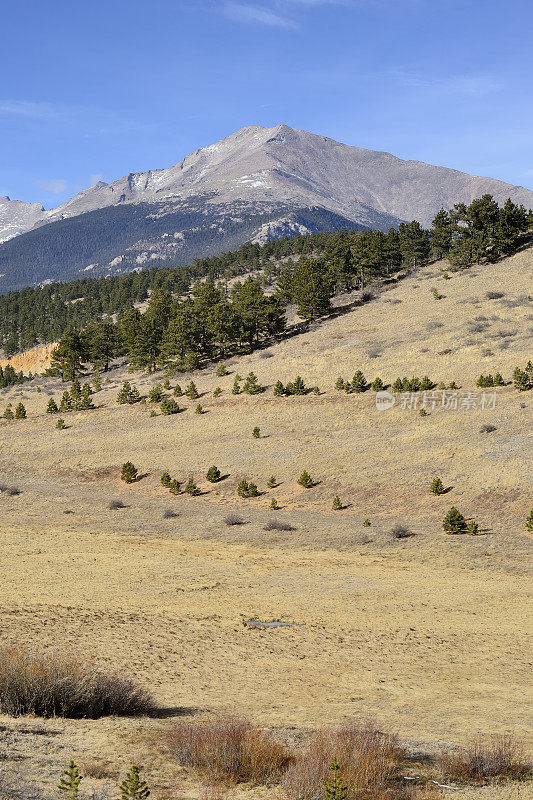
x=243 y=12
x=475 y=85
x=26 y=108
x=54 y=185
x=95 y=177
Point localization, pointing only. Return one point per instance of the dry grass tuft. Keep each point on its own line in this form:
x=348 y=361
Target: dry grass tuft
x=483 y=760
x=229 y=749
x=233 y=519
x=277 y=525
x=367 y=757
x=58 y=685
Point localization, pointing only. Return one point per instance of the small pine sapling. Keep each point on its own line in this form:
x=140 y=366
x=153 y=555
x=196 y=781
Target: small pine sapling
x=199 y=409
x=272 y=482
x=236 y=386
x=256 y=433
x=367 y=523
x=132 y=787
x=166 y=479
x=166 y=385
x=436 y=486
x=174 y=486
x=191 y=391
x=69 y=784
x=337 y=505
x=129 y=472
x=177 y=391
x=156 y=394
x=169 y=406
x=305 y=480
x=359 y=383
x=472 y=528
x=335 y=788
x=454 y=522
x=8 y=413
x=498 y=380
x=251 y=386
x=339 y=383
x=52 y=408
x=60 y=424
x=191 y=488
x=20 y=411
x=377 y=385
x=397 y=386
x=529 y=521
x=221 y=371
x=213 y=474
x=217 y=392
x=279 y=389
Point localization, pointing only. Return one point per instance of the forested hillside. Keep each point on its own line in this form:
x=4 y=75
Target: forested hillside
x=101 y=321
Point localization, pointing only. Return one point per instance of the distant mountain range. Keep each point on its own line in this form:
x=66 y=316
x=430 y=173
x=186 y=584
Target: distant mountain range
x=256 y=184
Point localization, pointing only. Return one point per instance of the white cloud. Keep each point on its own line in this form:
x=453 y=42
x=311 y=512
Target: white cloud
x=243 y=12
x=95 y=177
x=54 y=185
x=26 y=108
x=475 y=85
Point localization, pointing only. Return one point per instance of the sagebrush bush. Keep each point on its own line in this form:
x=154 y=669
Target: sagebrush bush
x=367 y=760
x=57 y=684
x=228 y=748
x=277 y=525
x=233 y=519
x=483 y=760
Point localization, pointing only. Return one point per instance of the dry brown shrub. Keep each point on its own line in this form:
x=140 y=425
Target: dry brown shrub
x=482 y=760
x=229 y=748
x=367 y=757
x=56 y=684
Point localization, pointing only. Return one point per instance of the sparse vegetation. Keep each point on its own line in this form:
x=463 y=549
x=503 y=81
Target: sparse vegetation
x=256 y=432
x=165 y=479
x=277 y=525
x=401 y=532
x=129 y=394
x=337 y=505
x=191 y=488
x=233 y=519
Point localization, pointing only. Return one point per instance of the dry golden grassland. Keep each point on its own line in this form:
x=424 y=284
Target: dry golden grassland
x=427 y=634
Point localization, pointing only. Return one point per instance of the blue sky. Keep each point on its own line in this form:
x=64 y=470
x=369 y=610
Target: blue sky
x=92 y=91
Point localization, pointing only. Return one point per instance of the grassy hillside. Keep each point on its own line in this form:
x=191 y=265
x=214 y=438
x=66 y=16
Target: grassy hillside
x=425 y=633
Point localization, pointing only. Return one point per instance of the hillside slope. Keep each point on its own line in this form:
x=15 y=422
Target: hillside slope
x=425 y=632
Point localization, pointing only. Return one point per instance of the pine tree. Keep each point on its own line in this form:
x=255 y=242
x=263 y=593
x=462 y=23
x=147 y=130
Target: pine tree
x=191 y=488
x=247 y=489
x=128 y=394
x=8 y=413
x=52 y=408
x=296 y=387
x=191 y=391
x=397 y=386
x=132 y=787
x=359 y=383
x=86 y=397
x=498 y=380
x=378 y=385
x=437 y=486
x=169 y=406
x=156 y=394
x=521 y=380
x=251 y=386
x=129 y=472
x=174 y=486
x=441 y=234
x=68 y=356
x=279 y=389
x=221 y=371
x=454 y=522
x=69 y=785
x=274 y=504
x=97 y=380
x=199 y=409
x=337 y=505
x=75 y=394
x=339 y=384
x=236 y=386
x=217 y=392
x=213 y=474
x=335 y=788
x=256 y=433
x=166 y=479
x=60 y=424
x=426 y=384
x=529 y=521
x=166 y=385
x=305 y=480
x=272 y=482
x=20 y=411
x=177 y=391
x=472 y=528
